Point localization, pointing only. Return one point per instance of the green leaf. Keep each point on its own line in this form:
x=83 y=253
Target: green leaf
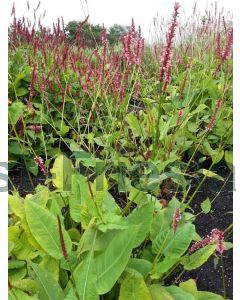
x=210 y=174
x=158 y=224
x=16 y=148
x=134 y=287
x=158 y=293
x=27 y=285
x=206 y=206
x=200 y=108
x=111 y=263
x=178 y=293
x=15 y=111
x=17 y=274
x=228 y=245
x=163 y=266
x=198 y=258
x=23 y=250
x=100 y=188
x=16 y=294
x=189 y=286
x=44 y=227
x=229 y=159
x=143 y=217
x=134 y=124
x=85 y=276
x=21 y=91
x=62 y=171
x=174 y=244
x=16 y=205
x=16 y=264
x=79 y=188
x=207 y=296
x=31 y=166
x=51 y=265
x=217 y=156
x=142 y=266
x=49 y=289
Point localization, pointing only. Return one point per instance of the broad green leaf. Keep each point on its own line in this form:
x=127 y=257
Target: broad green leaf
x=15 y=111
x=134 y=124
x=170 y=209
x=16 y=264
x=143 y=217
x=51 y=265
x=16 y=206
x=134 y=287
x=206 y=206
x=27 y=285
x=198 y=258
x=62 y=172
x=13 y=233
x=178 y=293
x=49 y=289
x=10 y=247
x=16 y=294
x=15 y=147
x=100 y=189
x=109 y=204
x=21 y=91
x=162 y=267
x=158 y=293
x=174 y=244
x=44 y=227
x=228 y=245
x=189 y=286
x=229 y=159
x=23 y=250
x=217 y=156
x=158 y=224
x=85 y=276
x=142 y=266
x=211 y=174
x=79 y=194
x=111 y=263
x=17 y=274
x=29 y=162
x=74 y=234
x=207 y=296
x=41 y=197
x=31 y=239
x=200 y=108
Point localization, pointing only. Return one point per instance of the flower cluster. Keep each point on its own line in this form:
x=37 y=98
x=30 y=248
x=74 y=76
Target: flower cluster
x=216 y=236
x=166 y=53
x=133 y=46
x=40 y=163
x=223 y=54
x=213 y=118
x=176 y=219
x=180 y=113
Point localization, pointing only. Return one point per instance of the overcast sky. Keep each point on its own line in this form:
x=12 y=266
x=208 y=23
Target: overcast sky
x=108 y=12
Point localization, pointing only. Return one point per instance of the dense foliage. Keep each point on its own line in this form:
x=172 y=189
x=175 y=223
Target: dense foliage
x=122 y=133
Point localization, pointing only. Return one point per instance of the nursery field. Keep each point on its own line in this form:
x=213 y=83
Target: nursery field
x=120 y=161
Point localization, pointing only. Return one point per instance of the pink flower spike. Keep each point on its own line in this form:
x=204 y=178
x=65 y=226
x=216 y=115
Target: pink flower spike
x=176 y=219
x=40 y=163
x=216 y=236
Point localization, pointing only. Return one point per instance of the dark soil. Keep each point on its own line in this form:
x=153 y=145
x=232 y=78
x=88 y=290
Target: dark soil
x=208 y=277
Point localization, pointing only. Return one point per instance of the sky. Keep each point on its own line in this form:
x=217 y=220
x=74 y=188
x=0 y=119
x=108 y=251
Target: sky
x=109 y=12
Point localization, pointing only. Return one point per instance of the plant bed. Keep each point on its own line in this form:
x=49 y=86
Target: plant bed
x=120 y=163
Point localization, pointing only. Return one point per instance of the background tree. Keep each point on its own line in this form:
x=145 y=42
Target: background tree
x=115 y=32
x=90 y=34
